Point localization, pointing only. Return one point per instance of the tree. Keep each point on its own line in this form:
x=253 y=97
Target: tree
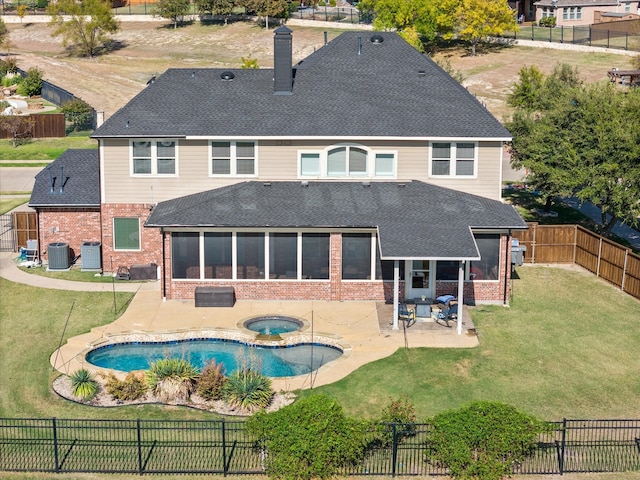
x=20 y=128
x=249 y=62
x=526 y=92
x=266 y=8
x=585 y=143
x=4 y=32
x=31 y=84
x=79 y=113
x=21 y=11
x=174 y=10
x=411 y=19
x=84 y=26
x=482 y=440
x=477 y=20
x=215 y=7
x=311 y=438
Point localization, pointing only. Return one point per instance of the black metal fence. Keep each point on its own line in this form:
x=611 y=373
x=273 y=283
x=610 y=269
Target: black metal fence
x=224 y=447
x=579 y=35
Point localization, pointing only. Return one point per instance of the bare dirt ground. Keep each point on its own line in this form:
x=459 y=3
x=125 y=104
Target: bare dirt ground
x=144 y=49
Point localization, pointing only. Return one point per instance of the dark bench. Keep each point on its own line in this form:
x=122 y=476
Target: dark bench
x=215 y=297
x=143 y=272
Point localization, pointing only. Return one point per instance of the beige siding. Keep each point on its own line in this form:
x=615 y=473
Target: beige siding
x=277 y=161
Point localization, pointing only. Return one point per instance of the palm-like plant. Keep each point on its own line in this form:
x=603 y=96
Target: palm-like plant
x=172 y=379
x=248 y=390
x=83 y=384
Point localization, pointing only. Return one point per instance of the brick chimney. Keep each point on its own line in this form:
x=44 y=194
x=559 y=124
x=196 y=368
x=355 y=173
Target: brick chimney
x=282 y=62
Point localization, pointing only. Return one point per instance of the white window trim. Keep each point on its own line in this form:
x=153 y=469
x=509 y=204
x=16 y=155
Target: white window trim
x=453 y=160
x=113 y=240
x=234 y=165
x=371 y=163
x=154 y=157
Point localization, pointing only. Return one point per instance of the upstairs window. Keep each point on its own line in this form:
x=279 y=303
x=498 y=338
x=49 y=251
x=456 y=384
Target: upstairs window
x=151 y=157
x=453 y=159
x=347 y=161
x=233 y=158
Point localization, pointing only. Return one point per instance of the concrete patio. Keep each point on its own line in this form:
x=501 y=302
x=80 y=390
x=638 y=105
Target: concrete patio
x=363 y=330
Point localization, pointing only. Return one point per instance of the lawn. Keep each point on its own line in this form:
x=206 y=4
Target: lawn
x=43 y=148
x=539 y=354
x=11 y=203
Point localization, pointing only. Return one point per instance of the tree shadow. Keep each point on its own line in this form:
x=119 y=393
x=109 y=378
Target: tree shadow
x=172 y=26
x=463 y=48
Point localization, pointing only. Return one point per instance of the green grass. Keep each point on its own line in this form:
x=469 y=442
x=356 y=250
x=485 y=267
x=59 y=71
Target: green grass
x=11 y=203
x=44 y=148
x=74 y=274
x=33 y=321
x=567 y=347
x=24 y=164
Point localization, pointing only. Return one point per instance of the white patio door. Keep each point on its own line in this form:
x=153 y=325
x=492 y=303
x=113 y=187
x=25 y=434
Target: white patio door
x=419 y=281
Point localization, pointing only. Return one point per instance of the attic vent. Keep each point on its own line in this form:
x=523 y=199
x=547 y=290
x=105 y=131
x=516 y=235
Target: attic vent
x=151 y=80
x=267 y=184
x=366 y=184
x=377 y=39
x=304 y=183
x=227 y=75
x=421 y=73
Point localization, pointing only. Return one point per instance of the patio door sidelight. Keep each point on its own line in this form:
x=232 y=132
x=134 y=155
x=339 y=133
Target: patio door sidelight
x=419 y=279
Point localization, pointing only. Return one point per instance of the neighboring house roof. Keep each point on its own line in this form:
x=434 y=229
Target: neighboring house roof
x=577 y=3
x=72 y=180
x=350 y=88
x=414 y=219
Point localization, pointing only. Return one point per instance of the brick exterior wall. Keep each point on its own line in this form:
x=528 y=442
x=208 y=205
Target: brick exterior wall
x=68 y=225
x=333 y=289
x=150 y=239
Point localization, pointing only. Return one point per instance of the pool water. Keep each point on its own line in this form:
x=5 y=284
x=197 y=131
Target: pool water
x=284 y=361
x=273 y=325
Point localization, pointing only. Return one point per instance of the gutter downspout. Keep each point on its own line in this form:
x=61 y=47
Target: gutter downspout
x=164 y=269
x=507 y=262
x=396 y=286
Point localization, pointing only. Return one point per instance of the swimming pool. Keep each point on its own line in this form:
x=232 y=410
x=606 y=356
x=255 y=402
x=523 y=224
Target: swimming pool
x=275 y=361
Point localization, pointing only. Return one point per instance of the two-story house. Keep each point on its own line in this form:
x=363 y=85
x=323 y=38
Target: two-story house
x=364 y=172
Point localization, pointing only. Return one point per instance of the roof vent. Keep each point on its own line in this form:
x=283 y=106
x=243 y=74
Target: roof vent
x=402 y=185
x=151 y=80
x=377 y=39
x=421 y=73
x=304 y=183
x=227 y=75
x=267 y=184
x=366 y=184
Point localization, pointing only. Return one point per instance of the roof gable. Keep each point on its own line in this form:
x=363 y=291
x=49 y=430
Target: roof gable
x=352 y=87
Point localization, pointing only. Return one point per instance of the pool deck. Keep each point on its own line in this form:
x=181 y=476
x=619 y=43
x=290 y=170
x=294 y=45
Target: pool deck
x=362 y=329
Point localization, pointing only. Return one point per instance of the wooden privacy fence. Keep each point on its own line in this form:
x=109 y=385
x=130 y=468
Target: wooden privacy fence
x=47 y=125
x=575 y=244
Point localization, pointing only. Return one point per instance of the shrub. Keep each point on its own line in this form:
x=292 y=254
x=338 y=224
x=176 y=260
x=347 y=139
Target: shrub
x=247 y=390
x=399 y=414
x=172 y=379
x=211 y=381
x=31 y=84
x=311 y=438
x=83 y=384
x=8 y=65
x=547 y=22
x=79 y=113
x=132 y=387
x=635 y=61
x=482 y=440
